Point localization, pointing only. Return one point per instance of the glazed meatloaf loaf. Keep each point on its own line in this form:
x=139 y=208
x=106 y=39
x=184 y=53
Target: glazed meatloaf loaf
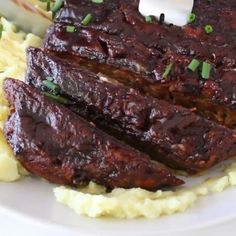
x=156 y=58
x=52 y=142
x=171 y=134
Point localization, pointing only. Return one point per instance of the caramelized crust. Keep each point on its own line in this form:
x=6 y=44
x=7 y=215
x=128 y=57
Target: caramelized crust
x=136 y=53
x=171 y=134
x=52 y=142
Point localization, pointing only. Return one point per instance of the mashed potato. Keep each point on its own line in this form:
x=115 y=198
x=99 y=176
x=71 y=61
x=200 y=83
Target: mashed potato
x=93 y=201
x=13 y=45
x=41 y=6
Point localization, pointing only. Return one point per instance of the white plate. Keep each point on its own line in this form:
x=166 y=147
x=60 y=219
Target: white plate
x=32 y=200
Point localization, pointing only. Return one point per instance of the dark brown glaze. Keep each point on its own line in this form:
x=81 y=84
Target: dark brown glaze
x=170 y=134
x=121 y=18
x=52 y=142
x=138 y=52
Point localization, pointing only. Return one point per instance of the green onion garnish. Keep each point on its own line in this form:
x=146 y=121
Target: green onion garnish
x=56 y=7
x=191 y=18
x=208 y=29
x=57 y=98
x=167 y=71
x=49 y=78
x=148 y=19
x=87 y=20
x=48 y=3
x=1 y=30
x=50 y=85
x=70 y=29
x=97 y=1
x=206 y=70
x=194 y=64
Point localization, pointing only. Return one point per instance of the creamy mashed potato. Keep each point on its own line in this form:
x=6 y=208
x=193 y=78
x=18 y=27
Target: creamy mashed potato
x=13 y=46
x=93 y=201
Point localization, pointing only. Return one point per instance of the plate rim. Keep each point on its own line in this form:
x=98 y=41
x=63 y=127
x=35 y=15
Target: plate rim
x=52 y=225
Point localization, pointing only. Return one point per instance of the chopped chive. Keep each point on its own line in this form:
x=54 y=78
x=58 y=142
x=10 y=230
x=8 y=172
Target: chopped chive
x=148 y=19
x=194 y=64
x=50 y=85
x=87 y=20
x=208 y=29
x=70 y=29
x=57 y=98
x=191 y=18
x=1 y=30
x=167 y=71
x=49 y=78
x=206 y=70
x=48 y=2
x=56 y=6
x=48 y=5
x=97 y=1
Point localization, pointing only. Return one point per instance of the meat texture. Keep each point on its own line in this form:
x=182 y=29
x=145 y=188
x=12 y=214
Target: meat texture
x=52 y=142
x=171 y=134
x=137 y=53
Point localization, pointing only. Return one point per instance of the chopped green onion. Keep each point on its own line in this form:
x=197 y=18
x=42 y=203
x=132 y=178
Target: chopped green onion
x=194 y=64
x=1 y=30
x=49 y=78
x=48 y=3
x=97 y=1
x=70 y=29
x=206 y=70
x=167 y=71
x=57 y=98
x=148 y=19
x=50 y=85
x=191 y=18
x=87 y=20
x=56 y=6
x=208 y=29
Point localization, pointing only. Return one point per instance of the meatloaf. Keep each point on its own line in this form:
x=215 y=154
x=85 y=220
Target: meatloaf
x=52 y=142
x=171 y=134
x=119 y=43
